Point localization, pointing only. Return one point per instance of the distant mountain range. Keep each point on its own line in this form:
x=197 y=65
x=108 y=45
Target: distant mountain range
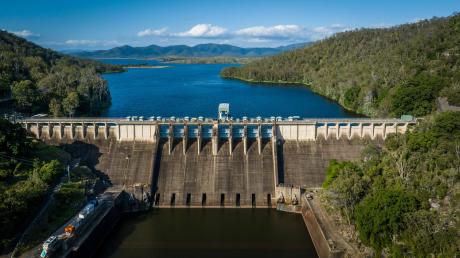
x=202 y=50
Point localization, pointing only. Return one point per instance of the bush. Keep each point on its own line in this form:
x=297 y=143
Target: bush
x=416 y=96
x=26 y=96
x=452 y=93
x=351 y=97
x=454 y=98
x=447 y=125
x=334 y=169
x=13 y=140
x=48 y=171
x=18 y=203
x=380 y=215
x=70 y=192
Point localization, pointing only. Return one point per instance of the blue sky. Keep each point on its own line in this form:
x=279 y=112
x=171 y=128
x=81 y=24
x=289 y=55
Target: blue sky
x=102 y=24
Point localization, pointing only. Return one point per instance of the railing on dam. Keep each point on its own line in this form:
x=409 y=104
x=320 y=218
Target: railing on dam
x=151 y=130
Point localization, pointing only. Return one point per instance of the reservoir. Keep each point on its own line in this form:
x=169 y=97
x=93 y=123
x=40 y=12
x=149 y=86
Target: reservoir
x=197 y=89
x=202 y=233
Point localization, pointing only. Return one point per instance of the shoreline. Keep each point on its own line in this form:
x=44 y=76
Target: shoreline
x=186 y=59
x=147 y=67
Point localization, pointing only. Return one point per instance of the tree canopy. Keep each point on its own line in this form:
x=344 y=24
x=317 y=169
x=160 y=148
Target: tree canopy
x=40 y=80
x=403 y=197
x=25 y=177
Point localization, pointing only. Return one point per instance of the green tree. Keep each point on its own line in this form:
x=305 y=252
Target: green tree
x=71 y=103
x=334 y=169
x=5 y=84
x=55 y=108
x=13 y=140
x=348 y=188
x=425 y=235
x=351 y=97
x=379 y=217
x=46 y=171
x=36 y=67
x=447 y=126
x=26 y=96
x=416 y=96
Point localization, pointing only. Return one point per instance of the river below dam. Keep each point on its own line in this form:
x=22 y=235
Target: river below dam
x=202 y=233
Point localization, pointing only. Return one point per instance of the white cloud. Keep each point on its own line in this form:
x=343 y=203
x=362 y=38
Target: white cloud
x=290 y=32
x=280 y=34
x=203 y=31
x=380 y=26
x=87 y=42
x=276 y=35
x=326 y=31
x=258 y=40
x=278 y=31
x=152 y=32
x=26 y=34
x=338 y=26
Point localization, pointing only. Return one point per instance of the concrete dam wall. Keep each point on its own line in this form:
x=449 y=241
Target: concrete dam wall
x=216 y=180
x=212 y=163
x=304 y=163
x=123 y=163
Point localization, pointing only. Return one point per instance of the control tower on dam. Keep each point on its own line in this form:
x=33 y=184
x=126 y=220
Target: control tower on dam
x=213 y=162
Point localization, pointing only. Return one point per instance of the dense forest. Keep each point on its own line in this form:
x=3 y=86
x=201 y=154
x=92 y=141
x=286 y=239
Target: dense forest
x=377 y=72
x=28 y=169
x=403 y=198
x=42 y=80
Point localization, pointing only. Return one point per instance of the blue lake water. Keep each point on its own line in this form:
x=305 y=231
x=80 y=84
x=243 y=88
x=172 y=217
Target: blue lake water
x=197 y=89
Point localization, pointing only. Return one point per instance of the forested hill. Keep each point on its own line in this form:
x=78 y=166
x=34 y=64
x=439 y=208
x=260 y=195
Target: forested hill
x=378 y=72
x=42 y=80
x=201 y=50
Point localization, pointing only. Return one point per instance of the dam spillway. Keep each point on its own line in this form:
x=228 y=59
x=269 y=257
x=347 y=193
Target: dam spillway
x=213 y=163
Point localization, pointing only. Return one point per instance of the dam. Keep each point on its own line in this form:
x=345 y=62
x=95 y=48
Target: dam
x=182 y=162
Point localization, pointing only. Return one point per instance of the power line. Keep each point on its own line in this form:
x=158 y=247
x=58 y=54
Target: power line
x=31 y=162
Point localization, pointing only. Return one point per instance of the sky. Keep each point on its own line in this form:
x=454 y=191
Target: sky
x=103 y=24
